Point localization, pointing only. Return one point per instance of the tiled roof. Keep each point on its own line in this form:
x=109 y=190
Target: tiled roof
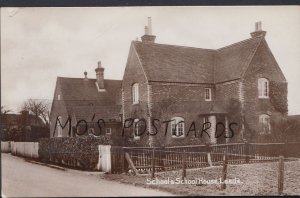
x=173 y=63
x=82 y=92
x=16 y=119
x=94 y=113
x=233 y=60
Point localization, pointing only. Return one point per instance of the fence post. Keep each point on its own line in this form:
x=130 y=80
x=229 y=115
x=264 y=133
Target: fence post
x=247 y=153
x=208 y=150
x=280 y=175
x=183 y=165
x=122 y=159
x=224 y=171
x=153 y=164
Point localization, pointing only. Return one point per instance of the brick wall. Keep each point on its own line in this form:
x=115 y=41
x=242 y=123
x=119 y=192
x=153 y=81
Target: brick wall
x=263 y=65
x=135 y=74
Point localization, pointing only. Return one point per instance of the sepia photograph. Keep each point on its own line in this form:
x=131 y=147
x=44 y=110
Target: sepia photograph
x=150 y=101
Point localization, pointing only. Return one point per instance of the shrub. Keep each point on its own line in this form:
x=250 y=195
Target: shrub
x=77 y=152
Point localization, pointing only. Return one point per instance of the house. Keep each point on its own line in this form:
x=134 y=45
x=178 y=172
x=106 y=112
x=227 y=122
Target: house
x=189 y=95
x=23 y=127
x=79 y=104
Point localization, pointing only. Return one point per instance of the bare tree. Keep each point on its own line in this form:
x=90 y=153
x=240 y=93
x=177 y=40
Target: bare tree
x=4 y=110
x=39 y=108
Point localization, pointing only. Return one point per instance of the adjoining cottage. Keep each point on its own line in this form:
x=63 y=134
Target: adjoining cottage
x=85 y=101
x=236 y=88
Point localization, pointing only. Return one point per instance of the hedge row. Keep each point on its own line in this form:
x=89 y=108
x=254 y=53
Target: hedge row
x=77 y=152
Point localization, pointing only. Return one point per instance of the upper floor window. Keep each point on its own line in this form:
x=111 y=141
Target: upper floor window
x=135 y=93
x=58 y=97
x=264 y=124
x=177 y=127
x=208 y=94
x=263 y=88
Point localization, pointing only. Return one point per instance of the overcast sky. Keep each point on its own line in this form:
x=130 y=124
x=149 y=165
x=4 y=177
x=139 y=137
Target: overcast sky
x=39 y=44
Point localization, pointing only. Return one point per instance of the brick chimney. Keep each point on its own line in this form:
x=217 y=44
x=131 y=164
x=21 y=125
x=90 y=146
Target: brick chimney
x=25 y=118
x=258 y=30
x=100 y=76
x=148 y=37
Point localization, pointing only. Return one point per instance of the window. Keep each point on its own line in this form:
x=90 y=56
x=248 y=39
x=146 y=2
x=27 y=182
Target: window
x=91 y=131
x=135 y=93
x=108 y=131
x=263 y=88
x=264 y=124
x=59 y=128
x=177 y=127
x=58 y=97
x=207 y=94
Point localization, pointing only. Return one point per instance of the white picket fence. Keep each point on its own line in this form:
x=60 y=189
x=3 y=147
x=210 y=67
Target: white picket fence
x=31 y=150
x=5 y=147
x=24 y=149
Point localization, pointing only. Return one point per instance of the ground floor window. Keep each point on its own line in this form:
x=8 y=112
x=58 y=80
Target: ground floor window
x=264 y=124
x=177 y=127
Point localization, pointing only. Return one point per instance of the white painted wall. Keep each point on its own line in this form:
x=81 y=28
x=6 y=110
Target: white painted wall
x=104 y=161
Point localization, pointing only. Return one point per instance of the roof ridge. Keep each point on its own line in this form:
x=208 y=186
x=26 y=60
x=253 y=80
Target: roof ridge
x=238 y=43
x=252 y=54
x=88 y=78
x=181 y=46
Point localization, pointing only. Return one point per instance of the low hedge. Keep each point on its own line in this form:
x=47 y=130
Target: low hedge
x=77 y=152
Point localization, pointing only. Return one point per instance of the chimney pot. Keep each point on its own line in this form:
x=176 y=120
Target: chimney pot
x=258 y=30
x=146 y=30
x=100 y=76
x=149 y=26
x=85 y=75
x=148 y=37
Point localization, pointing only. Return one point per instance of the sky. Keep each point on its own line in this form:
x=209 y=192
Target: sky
x=39 y=44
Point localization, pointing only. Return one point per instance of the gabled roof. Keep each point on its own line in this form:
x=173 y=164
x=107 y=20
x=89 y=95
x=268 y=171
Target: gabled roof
x=233 y=60
x=171 y=63
x=84 y=92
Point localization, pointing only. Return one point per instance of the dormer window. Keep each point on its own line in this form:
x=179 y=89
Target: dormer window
x=263 y=88
x=135 y=93
x=208 y=94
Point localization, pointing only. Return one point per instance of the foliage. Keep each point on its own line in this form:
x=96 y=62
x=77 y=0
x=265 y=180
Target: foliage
x=4 y=110
x=278 y=96
x=39 y=108
x=78 y=152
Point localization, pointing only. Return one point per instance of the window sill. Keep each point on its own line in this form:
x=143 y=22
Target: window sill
x=261 y=97
x=177 y=137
